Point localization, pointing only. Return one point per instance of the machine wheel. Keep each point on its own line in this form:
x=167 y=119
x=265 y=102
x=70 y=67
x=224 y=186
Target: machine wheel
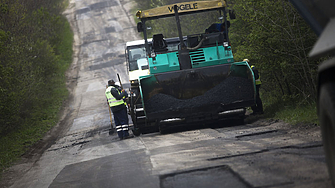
x=162 y=129
x=136 y=132
x=241 y=117
x=240 y=121
x=327 y=121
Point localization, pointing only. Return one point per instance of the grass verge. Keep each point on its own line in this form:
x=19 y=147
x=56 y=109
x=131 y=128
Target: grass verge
x=291 y=111
x=17 y=142
x=300 y=114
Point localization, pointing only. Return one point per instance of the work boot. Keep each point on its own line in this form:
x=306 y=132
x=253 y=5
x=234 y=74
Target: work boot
x=129 y=136
x=120 y=134
x=125 y=133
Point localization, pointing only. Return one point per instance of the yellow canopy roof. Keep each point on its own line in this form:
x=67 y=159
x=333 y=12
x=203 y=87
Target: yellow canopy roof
x=185 y=7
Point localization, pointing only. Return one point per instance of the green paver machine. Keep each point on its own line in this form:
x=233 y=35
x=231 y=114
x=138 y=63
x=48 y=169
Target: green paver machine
x=194 y=81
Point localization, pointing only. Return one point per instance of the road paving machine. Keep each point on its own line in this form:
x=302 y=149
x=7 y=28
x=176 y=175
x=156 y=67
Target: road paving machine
x=191 y=79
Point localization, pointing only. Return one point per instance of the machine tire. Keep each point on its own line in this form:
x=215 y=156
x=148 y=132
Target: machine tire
x=241 y=117
x=327 y=120
x=240 y=121
x=136 y=132
x=162 y=129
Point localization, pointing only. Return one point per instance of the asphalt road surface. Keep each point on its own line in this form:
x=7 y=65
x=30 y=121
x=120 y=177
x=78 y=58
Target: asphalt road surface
x=79 y=152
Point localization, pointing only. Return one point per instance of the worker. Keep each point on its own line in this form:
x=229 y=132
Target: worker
x=217 y=27
x=115 y=98
x=258 y=107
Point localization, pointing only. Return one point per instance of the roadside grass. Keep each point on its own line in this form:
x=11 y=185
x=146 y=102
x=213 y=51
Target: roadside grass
x=17 y=142
x=291 y=110
x=133 y=11
x=301 y=114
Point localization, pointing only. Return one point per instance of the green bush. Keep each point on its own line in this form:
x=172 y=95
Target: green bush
x=35 y=51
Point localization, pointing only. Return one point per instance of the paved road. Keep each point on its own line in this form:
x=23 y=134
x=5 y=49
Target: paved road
x=257 y=154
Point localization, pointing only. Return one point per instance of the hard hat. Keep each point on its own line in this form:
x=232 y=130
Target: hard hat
x=247 y=60
x=111 y=82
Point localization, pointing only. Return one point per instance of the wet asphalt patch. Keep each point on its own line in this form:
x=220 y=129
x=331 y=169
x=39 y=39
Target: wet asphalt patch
x=298 y=146
x=110 y=29
x=97 y=6
x=213 y=177
x=106 y=64
x=128 y=169
x=257 y=133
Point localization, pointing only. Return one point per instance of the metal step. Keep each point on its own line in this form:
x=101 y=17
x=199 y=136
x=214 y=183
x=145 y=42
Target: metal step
x=139 y=109
x=140 y=119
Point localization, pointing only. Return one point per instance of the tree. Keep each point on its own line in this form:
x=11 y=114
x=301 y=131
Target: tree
x=276 y=39
x=29 y=34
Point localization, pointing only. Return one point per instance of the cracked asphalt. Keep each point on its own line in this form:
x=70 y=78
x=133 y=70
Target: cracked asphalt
x=80 y=152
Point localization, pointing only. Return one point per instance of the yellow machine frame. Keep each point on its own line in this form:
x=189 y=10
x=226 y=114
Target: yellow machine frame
x=182 y=8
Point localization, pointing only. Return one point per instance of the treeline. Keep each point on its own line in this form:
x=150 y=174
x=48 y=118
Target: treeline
x=273 y=36
x=35 y=51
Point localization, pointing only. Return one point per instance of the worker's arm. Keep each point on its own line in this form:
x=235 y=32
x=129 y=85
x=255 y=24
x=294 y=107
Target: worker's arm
x=212 y=29
x=255 y=73
x=116 y=94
